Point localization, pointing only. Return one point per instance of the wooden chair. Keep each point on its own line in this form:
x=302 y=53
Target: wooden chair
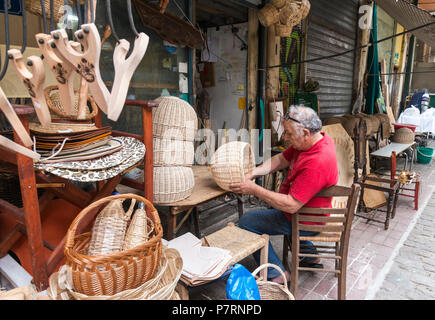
x=336 y=230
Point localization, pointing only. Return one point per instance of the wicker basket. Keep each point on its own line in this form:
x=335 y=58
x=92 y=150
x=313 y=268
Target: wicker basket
x=175 y=119
x=289 y=14
x=168 y=152
x=271 y=290
x=283 y=30
x=231 y=162
x=34 y=6
x=54 y=104
x=403 y=135
x=109 y=229
x=172 y=184
x=278 y=3
x=304 y=8
x=268 y=15
x=112 y=273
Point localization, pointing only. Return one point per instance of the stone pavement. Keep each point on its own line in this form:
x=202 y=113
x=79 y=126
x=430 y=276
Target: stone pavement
x=412 y=274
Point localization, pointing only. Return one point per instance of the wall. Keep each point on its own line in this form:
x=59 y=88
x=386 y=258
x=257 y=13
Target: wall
x=385 y=29
x=423 y=77
x=230 y=77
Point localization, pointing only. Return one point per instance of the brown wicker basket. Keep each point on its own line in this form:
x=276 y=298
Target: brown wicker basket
x=268 y=15
x=34 y=6
x=289 y=14
x=278 y=3
x=55 y=105
x=282 y=30
x=112 y=273
x=403 y=135
x=271 y=290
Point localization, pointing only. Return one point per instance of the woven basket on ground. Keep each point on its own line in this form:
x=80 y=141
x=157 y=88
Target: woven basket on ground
x=268 y=15
x=403 y=135
x=139 y=229
x=231 y=162
x=162 y=286
x=169 y=152
x=55 y=105
x=174 y=118
x=172 y=184
x=271 y=290
x=109 y=228
x=112 y=273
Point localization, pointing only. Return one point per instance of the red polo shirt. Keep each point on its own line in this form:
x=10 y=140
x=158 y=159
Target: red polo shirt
x=309 y=172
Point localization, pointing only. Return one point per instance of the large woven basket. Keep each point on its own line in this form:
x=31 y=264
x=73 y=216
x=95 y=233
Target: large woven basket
x=282 y=30
x=174 y=118
x=231 y=162
x=169 y=152
x=112 y=273
x=271 y=290
x=55 y=105
x=289 y=14
x=268 y=15
x=172 y=184
x=278 y=3
x=403 y=135
x=34 y=6
x=304 y=8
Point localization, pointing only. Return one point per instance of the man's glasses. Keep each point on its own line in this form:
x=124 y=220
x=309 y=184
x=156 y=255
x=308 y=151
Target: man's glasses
x=287 y=117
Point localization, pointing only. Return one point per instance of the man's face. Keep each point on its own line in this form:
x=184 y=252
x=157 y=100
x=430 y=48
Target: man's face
x=292 y=135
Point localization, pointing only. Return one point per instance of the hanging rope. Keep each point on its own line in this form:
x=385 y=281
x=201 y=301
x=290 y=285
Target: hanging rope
x=91 y=8
x=6 y=62
x=23 y=8
x=130 y=18
x=52 y=24
x=79 y=13
x=109 y=17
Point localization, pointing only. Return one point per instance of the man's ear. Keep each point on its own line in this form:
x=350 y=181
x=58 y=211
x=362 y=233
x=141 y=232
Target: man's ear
x=306 y=132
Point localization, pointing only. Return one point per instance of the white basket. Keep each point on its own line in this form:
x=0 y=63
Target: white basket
x=231 y=162
x=172 y=184
x=168 y=152
x=174 y=118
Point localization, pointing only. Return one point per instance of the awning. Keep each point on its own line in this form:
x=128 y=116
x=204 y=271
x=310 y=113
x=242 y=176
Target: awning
x=410 y=16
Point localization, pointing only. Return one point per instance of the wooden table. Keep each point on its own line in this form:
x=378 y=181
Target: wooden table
x=391 y=151
x=205 y=189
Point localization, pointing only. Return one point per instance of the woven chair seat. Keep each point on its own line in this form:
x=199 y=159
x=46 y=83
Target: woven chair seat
x=324 y=236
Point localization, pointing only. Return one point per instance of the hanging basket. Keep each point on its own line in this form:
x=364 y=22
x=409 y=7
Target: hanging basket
x=172 y=184
x=174 y=118
x=289 y=14
x=268 y=15
x=109 y=274
x=34 y=6
x=304 y=8
x=55 y=105
x=283 y=30
x=231 y=162
x=169 y=152
x=278 y=3
x=271 y=290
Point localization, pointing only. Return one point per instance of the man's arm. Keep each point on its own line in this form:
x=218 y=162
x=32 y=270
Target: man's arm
x=275 y=163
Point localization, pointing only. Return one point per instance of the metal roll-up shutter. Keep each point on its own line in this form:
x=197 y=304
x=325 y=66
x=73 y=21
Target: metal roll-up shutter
x=332 y=29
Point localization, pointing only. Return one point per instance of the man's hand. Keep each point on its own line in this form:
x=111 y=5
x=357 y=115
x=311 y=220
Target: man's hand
x=246 y=187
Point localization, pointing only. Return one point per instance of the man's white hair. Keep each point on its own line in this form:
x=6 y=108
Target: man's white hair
x=307 y=117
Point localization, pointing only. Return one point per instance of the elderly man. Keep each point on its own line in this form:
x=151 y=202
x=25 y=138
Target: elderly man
x=312 y=166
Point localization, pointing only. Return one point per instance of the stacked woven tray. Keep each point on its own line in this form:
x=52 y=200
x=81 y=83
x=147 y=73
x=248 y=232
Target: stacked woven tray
x=174 y=128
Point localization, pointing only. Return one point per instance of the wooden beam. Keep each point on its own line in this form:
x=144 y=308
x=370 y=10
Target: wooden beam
x=253 y=25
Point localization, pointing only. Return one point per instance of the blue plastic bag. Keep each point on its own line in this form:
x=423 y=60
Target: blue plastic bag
x=241 y=285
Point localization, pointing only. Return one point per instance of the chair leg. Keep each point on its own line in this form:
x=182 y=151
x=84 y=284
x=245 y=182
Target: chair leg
x=294 y=274
x=342 y=276
x=337 y=261
x=285 y=250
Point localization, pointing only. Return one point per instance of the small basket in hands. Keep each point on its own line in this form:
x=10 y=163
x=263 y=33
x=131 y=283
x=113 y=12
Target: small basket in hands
x=270 y=290
x=231 y=162
x=108 y=274
x=139 y=229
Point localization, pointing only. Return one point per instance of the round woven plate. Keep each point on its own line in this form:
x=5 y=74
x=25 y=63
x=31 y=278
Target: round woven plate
x=345 y=159
x=132 y=152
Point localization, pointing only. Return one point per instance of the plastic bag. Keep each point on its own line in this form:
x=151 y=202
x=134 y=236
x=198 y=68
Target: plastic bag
x=241 y=285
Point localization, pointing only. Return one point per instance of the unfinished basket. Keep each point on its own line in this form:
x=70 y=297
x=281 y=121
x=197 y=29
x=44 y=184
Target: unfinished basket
x=403 y=135
x=139 y=229
x=112 y=273
x=174 y=118
x=55 y=105
x=109 y=228
x=231 y=162
x=172 y=184
x=169 y=152
x=271 y=290
x=268 y=15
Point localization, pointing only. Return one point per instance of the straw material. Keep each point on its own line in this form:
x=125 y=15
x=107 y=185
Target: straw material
x=168 y=152
x=174 y=118
x=172 y=184
x=21 y=293
x=278 y=3
x=55 y=105
x=289 y=15
x=283 y=30
x=403 y=135
x=109 y=274
x=54 y=128
x=268 y=15
x=231 y=162
x=271 y=290
x=304 y=8
x=162 y=286
x=139 y=230
x=34 y=6
x=109 y=228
